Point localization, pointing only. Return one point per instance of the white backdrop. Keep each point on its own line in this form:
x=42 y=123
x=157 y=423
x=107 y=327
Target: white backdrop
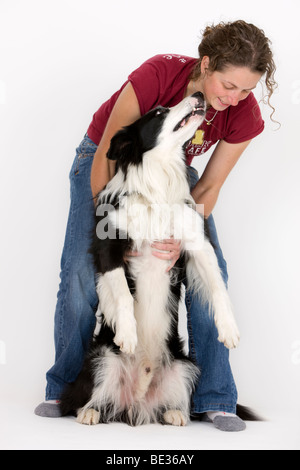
x=60 y=60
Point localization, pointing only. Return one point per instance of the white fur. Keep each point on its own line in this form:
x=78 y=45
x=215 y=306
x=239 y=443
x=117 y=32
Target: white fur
x=153 y=206
x=140 y=387
x=160 y=185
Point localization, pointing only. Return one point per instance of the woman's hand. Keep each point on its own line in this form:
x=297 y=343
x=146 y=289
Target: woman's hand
x=167 y=249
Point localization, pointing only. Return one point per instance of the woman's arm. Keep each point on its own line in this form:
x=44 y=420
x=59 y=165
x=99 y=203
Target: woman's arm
x=206 y=191
x=125 y=112
x=220 y=164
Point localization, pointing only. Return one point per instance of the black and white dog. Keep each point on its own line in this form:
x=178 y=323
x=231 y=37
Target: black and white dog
x=136 y=370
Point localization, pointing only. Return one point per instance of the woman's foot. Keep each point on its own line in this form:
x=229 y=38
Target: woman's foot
x=48 y=409
x=225 y=421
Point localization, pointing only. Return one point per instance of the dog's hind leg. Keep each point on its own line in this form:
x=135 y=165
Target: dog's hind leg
x=88 y=416
x=174 y=386
x=174 y=417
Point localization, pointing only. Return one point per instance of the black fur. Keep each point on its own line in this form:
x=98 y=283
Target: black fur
x=78 y=393
x=127 y=148
x=130 y=143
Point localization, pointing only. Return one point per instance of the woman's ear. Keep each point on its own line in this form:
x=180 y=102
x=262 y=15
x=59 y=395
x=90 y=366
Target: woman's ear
x=204 y=64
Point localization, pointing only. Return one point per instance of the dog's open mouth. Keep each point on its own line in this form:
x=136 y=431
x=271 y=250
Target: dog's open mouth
x=196 y=111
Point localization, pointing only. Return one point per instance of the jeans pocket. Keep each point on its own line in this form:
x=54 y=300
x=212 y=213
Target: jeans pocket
x=84 y=155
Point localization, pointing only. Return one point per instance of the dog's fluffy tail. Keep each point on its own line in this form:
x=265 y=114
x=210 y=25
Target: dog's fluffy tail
x=247 y=414
x=243 y=412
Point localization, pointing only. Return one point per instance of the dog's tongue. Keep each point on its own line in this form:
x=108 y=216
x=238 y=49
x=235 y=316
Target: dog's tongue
x=186 y=119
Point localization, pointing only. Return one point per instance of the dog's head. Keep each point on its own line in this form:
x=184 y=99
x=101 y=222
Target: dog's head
x=167 y=127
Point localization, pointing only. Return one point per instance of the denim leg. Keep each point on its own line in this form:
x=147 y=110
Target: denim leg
x=77 y=299
x=77 y=302
x=216 y=388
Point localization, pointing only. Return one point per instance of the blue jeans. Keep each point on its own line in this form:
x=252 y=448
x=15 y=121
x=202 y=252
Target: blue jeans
x=77 y=303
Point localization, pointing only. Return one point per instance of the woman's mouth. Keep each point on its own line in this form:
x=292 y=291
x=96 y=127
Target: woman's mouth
x=224 y=105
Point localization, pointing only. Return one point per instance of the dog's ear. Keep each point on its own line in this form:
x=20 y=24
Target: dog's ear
x=121 y=146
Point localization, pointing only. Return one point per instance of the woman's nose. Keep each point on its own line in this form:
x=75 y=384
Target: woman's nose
x=234 y=98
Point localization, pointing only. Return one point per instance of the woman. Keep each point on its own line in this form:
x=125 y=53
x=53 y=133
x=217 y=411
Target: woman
x=233 y=58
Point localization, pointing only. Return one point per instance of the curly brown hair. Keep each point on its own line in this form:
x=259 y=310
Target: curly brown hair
x=239 y=44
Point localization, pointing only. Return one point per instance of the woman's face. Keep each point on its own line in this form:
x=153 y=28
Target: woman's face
x=227 y=88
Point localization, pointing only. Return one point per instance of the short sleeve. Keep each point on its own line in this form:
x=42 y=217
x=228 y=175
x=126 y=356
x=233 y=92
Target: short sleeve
x=146 y=82
x=161 y=80
x=244 y=121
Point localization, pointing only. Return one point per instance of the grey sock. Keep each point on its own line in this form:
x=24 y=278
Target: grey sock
x=48 y=410
x=224 y=421
x=229 y=423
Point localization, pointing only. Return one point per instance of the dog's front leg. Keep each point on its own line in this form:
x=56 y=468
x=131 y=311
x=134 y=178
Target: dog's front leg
x=118 y=308
x=205 y=277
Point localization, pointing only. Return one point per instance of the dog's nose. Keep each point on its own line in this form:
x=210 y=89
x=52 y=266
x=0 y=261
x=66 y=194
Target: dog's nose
x=198 y=101
x=199 y=96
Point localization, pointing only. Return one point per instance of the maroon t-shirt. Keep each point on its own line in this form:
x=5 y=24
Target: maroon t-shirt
x=162 y=80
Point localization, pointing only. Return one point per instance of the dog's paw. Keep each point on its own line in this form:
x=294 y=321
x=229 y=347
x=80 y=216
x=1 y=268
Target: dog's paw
x=228 y=334
x=225 y=321
x=175 y=418
x=126 y=344
x=126 y=337
x=89 y=416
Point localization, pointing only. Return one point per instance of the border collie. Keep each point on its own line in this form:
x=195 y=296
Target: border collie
x=136 y=370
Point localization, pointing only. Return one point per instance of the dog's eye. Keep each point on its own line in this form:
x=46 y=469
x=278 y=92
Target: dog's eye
x=160 y=111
